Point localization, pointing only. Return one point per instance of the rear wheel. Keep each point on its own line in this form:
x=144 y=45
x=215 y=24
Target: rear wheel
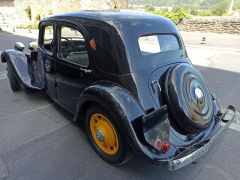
x=14 y=84
x=105 y=136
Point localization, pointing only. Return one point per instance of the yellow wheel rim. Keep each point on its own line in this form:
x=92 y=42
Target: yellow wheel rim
x=104 y=134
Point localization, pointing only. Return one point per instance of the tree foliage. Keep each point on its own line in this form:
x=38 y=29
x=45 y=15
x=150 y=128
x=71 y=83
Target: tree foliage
x=220 y=8
x=193 y=7
x=200 y=4
x=28 y=10
x=176 y=16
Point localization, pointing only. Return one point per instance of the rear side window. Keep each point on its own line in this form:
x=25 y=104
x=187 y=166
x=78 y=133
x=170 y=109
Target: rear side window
x=152 y=44
x=105 y=54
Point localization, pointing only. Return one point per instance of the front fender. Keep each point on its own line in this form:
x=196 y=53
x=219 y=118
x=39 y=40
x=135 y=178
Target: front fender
x=118 y=101
x=28 y=73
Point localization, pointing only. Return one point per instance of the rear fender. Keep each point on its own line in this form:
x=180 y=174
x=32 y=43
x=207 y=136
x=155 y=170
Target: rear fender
x=30 y=73
x=118 y=101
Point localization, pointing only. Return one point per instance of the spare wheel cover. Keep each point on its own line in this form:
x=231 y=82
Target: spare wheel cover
x=188 y=98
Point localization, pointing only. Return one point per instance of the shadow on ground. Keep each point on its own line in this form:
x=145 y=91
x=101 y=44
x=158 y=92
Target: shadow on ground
x=225 y=84
x=66 y=153
x=55 y=148
x=7 y=40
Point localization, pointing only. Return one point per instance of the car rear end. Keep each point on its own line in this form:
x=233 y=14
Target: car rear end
x=182 y=115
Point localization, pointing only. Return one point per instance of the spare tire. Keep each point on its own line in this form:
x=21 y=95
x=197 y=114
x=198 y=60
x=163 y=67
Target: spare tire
x=188 y=98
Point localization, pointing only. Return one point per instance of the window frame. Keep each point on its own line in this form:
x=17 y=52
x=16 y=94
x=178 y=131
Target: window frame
x=42 y=29
x=78 y=28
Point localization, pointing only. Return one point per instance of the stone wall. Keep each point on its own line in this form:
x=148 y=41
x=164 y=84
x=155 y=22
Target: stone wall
x=6 y=3
x=229 y=25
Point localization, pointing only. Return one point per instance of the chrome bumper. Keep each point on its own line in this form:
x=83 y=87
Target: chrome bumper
x=188 y=156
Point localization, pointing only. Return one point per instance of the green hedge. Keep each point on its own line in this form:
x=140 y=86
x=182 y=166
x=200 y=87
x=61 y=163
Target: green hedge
x=176 y=17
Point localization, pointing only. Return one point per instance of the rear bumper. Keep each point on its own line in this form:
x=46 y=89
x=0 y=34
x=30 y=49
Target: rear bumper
x=197 y=150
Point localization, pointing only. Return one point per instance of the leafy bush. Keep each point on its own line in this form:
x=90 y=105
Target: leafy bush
x=205 y=12
x=149 y=8
x=194 y=10
x=176 y=17
x=32 y=25
x=38 y=17
x=50 y=12
x=180 y=8
x=28 y=10
x=220 y=8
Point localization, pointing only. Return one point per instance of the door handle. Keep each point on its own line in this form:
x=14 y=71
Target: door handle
x=157 y=90
x=155 y=83
x=48 y=66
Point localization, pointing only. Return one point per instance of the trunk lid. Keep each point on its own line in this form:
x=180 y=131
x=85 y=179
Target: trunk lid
x=156 y=84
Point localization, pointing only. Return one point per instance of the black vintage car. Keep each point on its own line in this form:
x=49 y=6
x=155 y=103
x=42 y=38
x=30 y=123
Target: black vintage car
x=127 y=78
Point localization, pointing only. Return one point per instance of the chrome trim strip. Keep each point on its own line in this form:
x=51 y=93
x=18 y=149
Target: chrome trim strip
x=175 y=164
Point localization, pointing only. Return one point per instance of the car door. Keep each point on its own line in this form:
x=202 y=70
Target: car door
x=47 y=54
x=73 y=72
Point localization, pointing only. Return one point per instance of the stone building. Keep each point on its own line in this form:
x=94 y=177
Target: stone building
x=15 y=12
x=42 y=8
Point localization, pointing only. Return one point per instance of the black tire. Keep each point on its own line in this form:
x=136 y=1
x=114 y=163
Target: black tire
x=14 y=84
x=123 y=153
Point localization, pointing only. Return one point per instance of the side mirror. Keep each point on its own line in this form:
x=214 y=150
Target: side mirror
x=19 y=46
x=33 y=45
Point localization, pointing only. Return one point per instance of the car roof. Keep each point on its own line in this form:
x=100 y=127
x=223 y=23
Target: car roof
x=107 y=15
x=117 y=18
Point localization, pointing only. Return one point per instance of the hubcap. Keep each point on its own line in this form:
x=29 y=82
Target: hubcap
x=199 y=95
x=100 y=135
x=104 y=134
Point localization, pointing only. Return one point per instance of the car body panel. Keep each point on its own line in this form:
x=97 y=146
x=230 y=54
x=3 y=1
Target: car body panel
x=31 y=77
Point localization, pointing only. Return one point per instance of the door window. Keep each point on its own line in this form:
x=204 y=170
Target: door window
x=73 y=46
x=48 y=38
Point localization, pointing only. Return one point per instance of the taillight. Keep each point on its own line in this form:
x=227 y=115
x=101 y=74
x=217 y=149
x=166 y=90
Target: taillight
x=158 y=144
x=156 y=129
x=165 y=146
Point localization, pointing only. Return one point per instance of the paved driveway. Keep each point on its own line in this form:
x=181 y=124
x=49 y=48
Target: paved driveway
x=39 y=141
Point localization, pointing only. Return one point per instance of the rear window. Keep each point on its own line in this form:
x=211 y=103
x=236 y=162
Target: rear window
x=152 y=44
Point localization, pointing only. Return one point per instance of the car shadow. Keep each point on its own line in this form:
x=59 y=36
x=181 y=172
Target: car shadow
x=220 y=81
x=8 y=40
x=225 y=84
